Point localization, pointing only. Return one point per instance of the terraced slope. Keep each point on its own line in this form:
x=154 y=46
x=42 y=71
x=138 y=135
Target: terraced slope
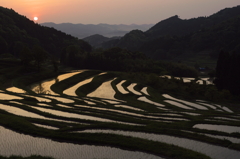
x=94 y=111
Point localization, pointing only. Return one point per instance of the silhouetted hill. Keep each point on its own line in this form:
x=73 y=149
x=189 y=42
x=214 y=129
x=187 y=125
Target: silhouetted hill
x=132 y=40
x=176 y=26
x=224 y=35
x=179 y=27
x=107 y=30
x=17 y=32
x=97 y=40
x=174 y=37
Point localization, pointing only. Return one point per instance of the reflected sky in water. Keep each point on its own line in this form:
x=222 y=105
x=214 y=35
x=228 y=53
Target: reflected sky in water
x=25 y=145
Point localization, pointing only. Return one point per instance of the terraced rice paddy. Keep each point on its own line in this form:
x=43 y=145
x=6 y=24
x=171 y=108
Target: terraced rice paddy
x=206 y=81
x=96 y=112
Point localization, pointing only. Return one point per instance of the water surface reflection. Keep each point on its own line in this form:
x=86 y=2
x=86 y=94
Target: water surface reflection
x=215 y=152
x=12 y=143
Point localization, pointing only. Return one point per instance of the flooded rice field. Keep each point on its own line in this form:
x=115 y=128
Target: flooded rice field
x=207 y=81
x=107 y=116
x=15 y=90
x=120 y=87
x=72 y=90
x=208 y=149
x=222 y=128
x=45 y=86
x=25 y=145
x=104 y=91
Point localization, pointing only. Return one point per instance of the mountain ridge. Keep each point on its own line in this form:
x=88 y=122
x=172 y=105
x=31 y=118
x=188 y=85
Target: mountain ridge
x=84 y=30
x=174 y=37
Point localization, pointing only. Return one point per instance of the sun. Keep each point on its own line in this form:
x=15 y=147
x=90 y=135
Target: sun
x=35 y=18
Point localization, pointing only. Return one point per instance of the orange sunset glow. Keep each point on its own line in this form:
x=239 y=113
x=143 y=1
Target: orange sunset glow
x=114 y=12
x=35 y=8
x=35 y=18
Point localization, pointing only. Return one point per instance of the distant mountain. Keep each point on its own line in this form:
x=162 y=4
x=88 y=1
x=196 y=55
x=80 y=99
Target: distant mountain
x=107 y=30
x=173 y=37
x=18 y=32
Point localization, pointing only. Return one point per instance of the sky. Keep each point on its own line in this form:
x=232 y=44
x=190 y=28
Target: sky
x=115 y=11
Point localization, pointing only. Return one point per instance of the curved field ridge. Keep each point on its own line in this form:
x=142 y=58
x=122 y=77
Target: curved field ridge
x=4 y=96
x=104 y=91
x=25 y=145
x=210 y=150
x=60 y=99
x=131 y=88
x=144 y=99
x=115 y=118
x=201 y=81
x=144 y=90
x=223 y=128
x=72 y=90
x=198 y=106
x=45 y=86
x=120 y=87
x=15 y=90
x=72 y=115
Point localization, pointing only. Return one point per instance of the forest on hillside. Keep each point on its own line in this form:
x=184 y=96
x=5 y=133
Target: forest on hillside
x=21 y=38
x=174 y=38
x=18 y=33
x=118 y=59
x=24 y=39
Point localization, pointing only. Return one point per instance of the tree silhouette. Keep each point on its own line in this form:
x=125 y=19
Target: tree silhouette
x=222 y=70
x=40 y=55
x=228 y=72
x=26 y=56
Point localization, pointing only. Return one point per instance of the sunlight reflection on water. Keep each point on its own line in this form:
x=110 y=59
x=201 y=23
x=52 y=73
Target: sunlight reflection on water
x=45 y=86
x=131 y=88
x=104 y=91
x=4 y=96
x=15 y=90
x=72 y=90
